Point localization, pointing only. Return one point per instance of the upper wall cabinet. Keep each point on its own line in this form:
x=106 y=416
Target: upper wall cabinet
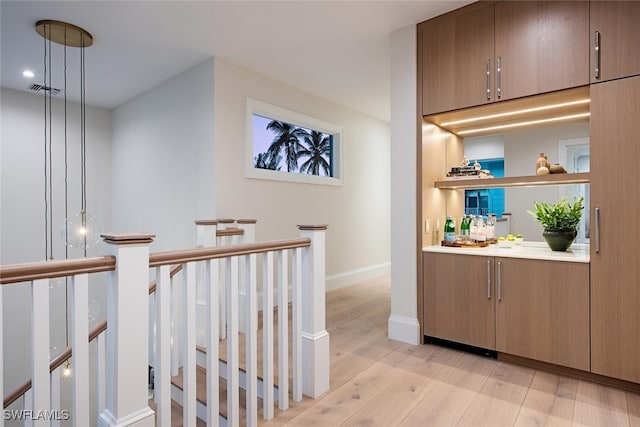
x=615 y=40
x=540 y=46
x=457 y=60
x=490 y=52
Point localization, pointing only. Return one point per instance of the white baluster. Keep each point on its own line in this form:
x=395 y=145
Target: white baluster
x=55 y=394
x=251 y=341
x=162 y=380
x=40 y=379
x=233 y=384
x=296 y=320
x=248 y=236
x=27 y=405
x=153 y=328
x=267 y=335
x=128 y=333
x=1 y=360
x=213 y=294
x=189 y=345
x=283 y=331
x=315 y=338
x=176 y=326
x=80 y=361
x=101 y=372
x=205 y=238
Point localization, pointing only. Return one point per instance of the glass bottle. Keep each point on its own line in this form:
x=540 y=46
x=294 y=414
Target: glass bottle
x=449 y=230
x=491 y=226
x=465 y=227
x=473 y=228
x=482 y=230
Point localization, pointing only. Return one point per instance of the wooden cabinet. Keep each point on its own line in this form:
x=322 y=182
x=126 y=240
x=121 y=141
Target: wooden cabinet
x=490 y=52
x=458 y=299
x=615 y=203
x=530 y=308
x=615 y=31
x=541 y=46
x=542 y=310
x=457 y=60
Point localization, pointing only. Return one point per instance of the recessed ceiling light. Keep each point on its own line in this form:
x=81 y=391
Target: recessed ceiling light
x=28 y=73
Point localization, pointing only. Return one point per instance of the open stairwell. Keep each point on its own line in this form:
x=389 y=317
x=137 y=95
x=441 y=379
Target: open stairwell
x=222 y=351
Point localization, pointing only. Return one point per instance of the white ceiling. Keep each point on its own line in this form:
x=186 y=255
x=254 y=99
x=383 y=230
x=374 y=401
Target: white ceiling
x=338 y=50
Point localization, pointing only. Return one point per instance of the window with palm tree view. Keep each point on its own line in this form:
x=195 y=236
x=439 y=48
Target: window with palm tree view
x=285 y=145
x=282 y=146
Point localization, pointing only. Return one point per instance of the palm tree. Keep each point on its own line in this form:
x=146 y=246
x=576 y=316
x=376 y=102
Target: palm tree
x=318 y=150
x=287 y=140
x=265 y=161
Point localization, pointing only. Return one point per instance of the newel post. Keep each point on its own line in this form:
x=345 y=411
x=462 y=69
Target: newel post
x=128 y=332
x=206 y=233
x=315 y=338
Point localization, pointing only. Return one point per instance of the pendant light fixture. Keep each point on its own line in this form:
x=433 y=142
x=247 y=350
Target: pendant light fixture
x=80 y=230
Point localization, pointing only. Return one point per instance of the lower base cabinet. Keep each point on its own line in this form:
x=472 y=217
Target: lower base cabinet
x=529 y=308
x=542 y=311
x=458 y=299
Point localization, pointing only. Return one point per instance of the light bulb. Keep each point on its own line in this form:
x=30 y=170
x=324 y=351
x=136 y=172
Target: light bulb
x=82 y=230
x=66 y=371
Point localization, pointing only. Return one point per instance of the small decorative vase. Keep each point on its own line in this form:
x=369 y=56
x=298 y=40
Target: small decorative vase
x=541 y=162
x=559 y=240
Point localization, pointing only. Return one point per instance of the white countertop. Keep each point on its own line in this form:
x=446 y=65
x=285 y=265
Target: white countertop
x=578 y=252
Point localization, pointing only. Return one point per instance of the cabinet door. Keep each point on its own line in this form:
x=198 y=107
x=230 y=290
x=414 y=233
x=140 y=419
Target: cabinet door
x=458 y=299
x=615 y=270
x=617 y=24
x=455 y=55
x=542 y=310
x=542 y=46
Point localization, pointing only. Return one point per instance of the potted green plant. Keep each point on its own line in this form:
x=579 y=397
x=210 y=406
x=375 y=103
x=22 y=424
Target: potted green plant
x=560 y=221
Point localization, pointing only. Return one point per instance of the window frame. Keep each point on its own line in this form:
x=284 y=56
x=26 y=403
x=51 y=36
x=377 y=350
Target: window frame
x=254 y=106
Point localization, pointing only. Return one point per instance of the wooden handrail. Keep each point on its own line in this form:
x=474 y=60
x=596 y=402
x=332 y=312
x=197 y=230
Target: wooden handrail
x=233 y=231
x=27 y=272
x=202 y=254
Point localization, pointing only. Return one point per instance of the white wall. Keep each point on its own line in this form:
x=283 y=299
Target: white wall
x=403 y=322
x=357 y=212
x=22 y=207
x=163 y=159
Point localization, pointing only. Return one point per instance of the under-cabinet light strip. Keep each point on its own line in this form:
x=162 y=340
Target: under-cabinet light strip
x=516 y=112
x=519 y=124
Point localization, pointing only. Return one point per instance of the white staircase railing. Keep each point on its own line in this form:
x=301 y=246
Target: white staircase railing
x=123 y=352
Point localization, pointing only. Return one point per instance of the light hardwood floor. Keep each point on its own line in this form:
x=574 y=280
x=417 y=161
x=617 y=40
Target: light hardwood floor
x=379 y=382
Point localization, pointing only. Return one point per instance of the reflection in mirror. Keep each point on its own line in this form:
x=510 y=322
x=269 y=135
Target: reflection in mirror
x=566 y=144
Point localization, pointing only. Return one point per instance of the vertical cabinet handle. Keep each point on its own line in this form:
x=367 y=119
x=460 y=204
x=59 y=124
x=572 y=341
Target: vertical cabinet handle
x=596 y=232
x=499 y=77
x=488 y=279
x=596 y=49
x=499 y=273
x=488 y=80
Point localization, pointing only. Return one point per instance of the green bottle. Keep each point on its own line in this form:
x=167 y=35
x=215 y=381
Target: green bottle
x=465 y=227
x=449 y=230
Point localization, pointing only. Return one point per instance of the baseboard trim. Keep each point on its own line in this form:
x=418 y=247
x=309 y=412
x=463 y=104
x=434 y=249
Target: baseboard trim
x=352 y=277
x=570 y=372
x=405 y=329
